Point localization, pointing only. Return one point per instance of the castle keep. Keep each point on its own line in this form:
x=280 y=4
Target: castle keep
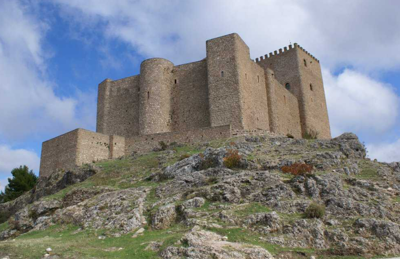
x=222 y=95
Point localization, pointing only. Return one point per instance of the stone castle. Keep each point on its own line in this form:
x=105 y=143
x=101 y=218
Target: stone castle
x=223 y=95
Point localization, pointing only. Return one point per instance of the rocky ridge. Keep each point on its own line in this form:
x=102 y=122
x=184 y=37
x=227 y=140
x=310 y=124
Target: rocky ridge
x=250 y=211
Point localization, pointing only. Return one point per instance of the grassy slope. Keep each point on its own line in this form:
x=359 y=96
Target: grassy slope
x=72 y=242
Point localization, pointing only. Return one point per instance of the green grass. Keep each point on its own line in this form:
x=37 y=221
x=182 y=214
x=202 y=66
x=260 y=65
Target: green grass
x=249 y=237
x=369 y=171
x=3 y=226
x=68 y=242
x=252 y=208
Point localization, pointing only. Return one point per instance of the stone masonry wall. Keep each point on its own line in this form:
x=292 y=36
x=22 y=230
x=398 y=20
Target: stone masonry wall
x=284 y=108
x=252 y=90
x=149 y=142
x=223 y=81
x=79 y=147
x=118 y=107
x=190 y=108
x=155 y=96
x=59 y=152
x=313 y=95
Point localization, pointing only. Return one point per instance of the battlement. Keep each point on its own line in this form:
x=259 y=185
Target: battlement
x=276 y=53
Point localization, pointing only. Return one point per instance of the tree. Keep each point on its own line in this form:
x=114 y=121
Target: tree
x=23 y=180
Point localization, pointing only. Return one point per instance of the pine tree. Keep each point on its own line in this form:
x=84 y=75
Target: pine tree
x=23 y=180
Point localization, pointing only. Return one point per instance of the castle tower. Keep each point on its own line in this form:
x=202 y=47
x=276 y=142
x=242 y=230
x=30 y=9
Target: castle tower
x=300 y=73
x=155 y=96
x=236 y=85
x=103 y=106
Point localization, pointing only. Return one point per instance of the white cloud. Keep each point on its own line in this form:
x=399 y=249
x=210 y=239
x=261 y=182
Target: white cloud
x=359 y=103
x=12 y=158
x=336 y=33
x=386 y=152
x=28 y=103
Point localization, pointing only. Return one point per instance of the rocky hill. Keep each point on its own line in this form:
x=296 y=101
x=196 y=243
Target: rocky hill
x=246 y=197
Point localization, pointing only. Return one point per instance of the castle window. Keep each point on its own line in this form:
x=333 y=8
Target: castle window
x=287 y=86
x=305 y=62
x=176 y=81
x=258 y=79
x=245 y=75
x=284 y=98
x=311 y=88
x=222 y=73
x=148 y=95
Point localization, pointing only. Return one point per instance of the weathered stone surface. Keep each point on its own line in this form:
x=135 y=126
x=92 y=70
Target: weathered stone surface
x=121 y=210
x=164 y=217
x=204 y=244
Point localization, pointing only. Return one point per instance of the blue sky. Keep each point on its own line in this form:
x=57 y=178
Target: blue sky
x=54 y=53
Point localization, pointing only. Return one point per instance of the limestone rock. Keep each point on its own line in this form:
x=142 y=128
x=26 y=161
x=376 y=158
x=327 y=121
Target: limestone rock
x=163 y=217
x=206 y=244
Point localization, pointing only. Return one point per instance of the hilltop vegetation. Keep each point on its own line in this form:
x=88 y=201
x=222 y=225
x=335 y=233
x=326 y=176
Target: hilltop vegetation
x=224 y=199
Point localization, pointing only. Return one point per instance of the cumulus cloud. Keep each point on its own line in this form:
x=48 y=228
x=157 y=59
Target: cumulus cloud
x=353 y=32
x=28 y=103
x=12 y=158
x=356 y=102
x=385 y=152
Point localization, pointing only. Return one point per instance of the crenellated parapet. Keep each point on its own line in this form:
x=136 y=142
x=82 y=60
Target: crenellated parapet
x=276 y=53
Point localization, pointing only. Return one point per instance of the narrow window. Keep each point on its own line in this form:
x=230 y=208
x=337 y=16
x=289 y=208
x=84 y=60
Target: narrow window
x=175 y=81
x=148 y=95
x=311 y=88
x=258 y=79
x=284 y=98
x=287 y=86
x=245 y=75
x=222 y=73
x=305 y=62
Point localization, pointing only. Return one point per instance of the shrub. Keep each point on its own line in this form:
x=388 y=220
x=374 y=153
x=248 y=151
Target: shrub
x=212 y=180
x=310 y=134
x=315 y=210
x=208 y=163
x=232 y=159
x=4 y=215
x=163 y=145
x=183 y=156
x=297 y=169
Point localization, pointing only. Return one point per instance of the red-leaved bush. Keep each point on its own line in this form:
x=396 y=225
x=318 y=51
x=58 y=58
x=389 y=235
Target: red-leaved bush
x=297 y=169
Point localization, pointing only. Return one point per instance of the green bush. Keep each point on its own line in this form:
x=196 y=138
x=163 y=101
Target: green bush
x=315 y=210
x=163 y=145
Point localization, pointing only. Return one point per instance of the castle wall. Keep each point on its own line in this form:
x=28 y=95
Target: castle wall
x=59 y=152
x=313 y=95
x=103 y=106
x=253 y=92
x=288 y=67
x=118 y=110
x=149 y=142
x=190 y=107
x=79 y=147
x=155 y=111
x=223 y=81
x=284 y=111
